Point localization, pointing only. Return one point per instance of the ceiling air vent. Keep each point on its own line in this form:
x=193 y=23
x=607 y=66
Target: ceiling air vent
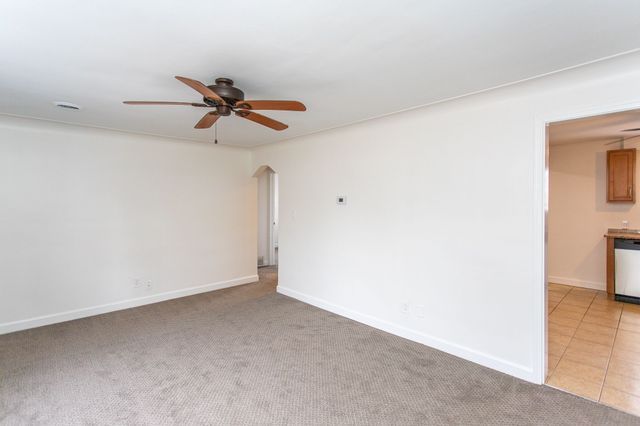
x=66 y=105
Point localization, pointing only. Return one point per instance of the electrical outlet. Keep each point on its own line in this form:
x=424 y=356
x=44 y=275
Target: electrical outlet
x=148 y=285
x=404 y=308
x=419 y=311
x=137 y=283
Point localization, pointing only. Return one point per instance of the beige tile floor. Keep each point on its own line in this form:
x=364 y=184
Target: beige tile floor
x=594 y=346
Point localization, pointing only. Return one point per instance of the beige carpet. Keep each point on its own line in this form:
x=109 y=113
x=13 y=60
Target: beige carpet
x=250 y=356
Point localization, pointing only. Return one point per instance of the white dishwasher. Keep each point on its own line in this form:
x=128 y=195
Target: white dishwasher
x=627 y=280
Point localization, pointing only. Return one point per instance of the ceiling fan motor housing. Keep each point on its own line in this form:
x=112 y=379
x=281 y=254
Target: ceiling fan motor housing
x=224 y=88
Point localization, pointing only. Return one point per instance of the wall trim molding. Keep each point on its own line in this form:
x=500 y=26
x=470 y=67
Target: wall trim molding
x=9 y=327
x=460 y=351
x=594 y=285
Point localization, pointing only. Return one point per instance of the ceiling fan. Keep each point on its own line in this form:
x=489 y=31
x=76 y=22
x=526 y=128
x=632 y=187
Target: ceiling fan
x=226 y=98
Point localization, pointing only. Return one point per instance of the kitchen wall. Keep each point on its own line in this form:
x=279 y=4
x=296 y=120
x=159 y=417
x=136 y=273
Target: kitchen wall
x=579 y=215
x=441 y=239
x=94 y=220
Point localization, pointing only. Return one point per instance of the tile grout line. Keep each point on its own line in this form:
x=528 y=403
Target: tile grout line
x=572 y=335
x=606 y=369
x=577 y=327
x=610 y=356
x=549 y=374
x=557 y=304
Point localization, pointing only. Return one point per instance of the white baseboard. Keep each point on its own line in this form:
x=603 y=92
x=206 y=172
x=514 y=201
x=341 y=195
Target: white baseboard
x=9 y=327
x=483 y=359
x=594 y=285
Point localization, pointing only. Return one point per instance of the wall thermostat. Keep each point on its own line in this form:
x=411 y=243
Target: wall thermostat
x=341 y=199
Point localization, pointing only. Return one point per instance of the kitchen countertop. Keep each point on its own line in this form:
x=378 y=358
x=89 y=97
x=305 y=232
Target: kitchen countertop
x=623 y=235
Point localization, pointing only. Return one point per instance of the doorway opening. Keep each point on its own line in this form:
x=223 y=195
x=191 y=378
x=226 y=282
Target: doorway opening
x=593 y=258
x=268 y=221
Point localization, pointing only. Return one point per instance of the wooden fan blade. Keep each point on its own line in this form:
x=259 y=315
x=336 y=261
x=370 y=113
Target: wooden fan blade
x=272 y=105
x=164 y=103
x=261 y=119
x=208 y=120
x=204 y=90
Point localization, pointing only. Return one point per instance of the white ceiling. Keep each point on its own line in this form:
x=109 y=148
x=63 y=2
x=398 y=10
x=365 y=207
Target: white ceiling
x=602 y=128
x=346 y=60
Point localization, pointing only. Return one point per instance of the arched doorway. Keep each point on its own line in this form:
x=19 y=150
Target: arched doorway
x=267 y=210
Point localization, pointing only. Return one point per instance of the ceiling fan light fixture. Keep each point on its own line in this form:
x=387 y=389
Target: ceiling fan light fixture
x=67 y=105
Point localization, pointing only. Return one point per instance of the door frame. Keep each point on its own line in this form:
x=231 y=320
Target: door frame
x=541 y=210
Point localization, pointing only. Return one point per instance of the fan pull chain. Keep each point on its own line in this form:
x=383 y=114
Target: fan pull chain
x=215 y=141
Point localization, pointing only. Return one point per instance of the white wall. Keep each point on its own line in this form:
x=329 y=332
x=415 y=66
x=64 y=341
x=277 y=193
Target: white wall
x=444 y=214
x=85 y=212
x=579 y=214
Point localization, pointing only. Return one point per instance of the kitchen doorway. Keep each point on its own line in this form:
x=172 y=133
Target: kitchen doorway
x=592 y=337
x=268 y=219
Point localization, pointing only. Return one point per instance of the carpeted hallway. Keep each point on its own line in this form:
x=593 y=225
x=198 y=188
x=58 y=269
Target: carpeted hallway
x=248 y=355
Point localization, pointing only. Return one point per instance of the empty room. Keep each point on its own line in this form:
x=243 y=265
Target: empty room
x=310 y=213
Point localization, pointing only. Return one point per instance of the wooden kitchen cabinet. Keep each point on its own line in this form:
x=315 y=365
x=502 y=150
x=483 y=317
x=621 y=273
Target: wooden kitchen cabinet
x=621 y=171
